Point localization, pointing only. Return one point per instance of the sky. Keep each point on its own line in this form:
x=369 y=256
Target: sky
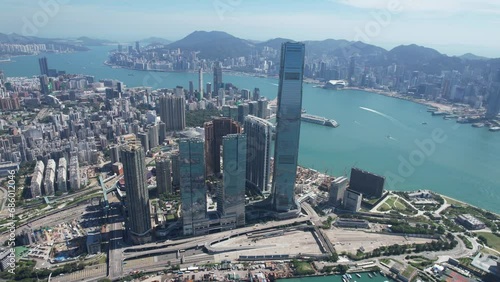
x=453 y=27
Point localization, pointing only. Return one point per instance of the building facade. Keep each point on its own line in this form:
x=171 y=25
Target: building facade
x=192 y=186
x=288 y=126
x=215 y=130
x=138 y=219
x=259 y=135
x=173 y=112
x=163 y=176
x=231 y=196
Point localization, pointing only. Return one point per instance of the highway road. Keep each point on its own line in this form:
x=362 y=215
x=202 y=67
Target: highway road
x=115 y=253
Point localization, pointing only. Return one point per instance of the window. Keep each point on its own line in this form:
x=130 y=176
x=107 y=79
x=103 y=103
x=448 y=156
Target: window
x=292 y=75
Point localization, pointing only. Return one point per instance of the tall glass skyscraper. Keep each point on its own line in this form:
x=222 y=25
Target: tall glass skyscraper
x=138 y=220
x=231 y=198
x=192 y=182
x=288 y=125
x=258 y=133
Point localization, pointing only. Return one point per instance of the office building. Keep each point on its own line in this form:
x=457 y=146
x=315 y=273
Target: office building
x=44 y=84
x=259 y=134
x=209 y=91
x=243 y=110
x=352 y=200
x=191 y=89
x=470 y=222
x=173 y=112
x=256 y=94
x=367 y=183
x=493 y=106
x=144 y=139
x=44 y=67
x=288 y=126
x=200 y=84
x=138 y=219
x=217 y=78
x=214 y=131
x=231 y=196
x=192 y=186
x=137 y=47
x=163 y=175
x=337 y=190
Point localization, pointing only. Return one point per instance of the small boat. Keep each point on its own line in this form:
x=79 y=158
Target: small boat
x=349 y=275
x=344 y=280
x=424 y=123
x=495 y=128
x=381 y=273
x=357 y=274
x=369 y=275
x=374 y=273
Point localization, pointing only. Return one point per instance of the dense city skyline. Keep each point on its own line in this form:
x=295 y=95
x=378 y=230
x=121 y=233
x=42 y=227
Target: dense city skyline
x=445 y=26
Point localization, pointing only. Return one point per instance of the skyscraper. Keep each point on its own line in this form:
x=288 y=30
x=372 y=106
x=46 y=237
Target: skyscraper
x=163 y=176
x=138 y=219
x=173 y=112
x=231 y=196
x=352 y=66
x=192 y=182
x=337 y=190
x=44 y=67
x=259 y=133
x=493 y=107
x=217 y=78
x=214 y=131
x=288 y=125
x=200 y=83
x=137 y=47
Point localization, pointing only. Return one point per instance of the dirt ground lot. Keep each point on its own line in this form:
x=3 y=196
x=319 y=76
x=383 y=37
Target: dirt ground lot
x=351 y=240
x=292 y=243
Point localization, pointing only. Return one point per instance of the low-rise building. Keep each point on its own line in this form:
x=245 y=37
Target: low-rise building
x=470 y=222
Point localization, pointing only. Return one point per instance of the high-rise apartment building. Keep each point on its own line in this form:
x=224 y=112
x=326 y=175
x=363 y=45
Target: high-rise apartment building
x=173 y=112
x=163 y=175
x=214 y=131
x=138 y=219
x=259 y=134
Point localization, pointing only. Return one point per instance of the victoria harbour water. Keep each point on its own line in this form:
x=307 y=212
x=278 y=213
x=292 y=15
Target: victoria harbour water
x=377 y=133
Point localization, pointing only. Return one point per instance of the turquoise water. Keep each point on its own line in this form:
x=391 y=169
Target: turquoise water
x=375 y=133
x=338 y=278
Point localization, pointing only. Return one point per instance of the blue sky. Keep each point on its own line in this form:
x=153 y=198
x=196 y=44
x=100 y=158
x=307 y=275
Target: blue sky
x=453 y=27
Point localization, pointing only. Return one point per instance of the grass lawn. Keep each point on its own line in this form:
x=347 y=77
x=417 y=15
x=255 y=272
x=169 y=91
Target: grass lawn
x=453 y=202
x=395 y=203
x=408 y=271
x=493 y=240
x=303 y=268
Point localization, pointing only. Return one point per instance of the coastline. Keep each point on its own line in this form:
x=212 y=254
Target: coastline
x=440 y=107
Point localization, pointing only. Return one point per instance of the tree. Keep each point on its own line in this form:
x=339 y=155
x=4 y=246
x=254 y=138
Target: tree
x=342 y=268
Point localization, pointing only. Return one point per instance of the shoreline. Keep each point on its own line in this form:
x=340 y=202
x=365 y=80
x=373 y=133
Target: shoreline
x=439 y=107
x=320 y=174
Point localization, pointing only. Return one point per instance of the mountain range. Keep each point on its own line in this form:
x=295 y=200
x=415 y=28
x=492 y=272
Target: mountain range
x=217 y=45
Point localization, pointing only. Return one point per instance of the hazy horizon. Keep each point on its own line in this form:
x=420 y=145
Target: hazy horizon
x=451 y=27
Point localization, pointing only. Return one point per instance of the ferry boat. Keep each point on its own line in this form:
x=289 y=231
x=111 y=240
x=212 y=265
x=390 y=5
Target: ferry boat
x=5 y=60
x=319 y=120
x=495 y=128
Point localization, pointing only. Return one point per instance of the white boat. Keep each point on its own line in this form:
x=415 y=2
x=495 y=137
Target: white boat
x=357 y=274
x=349 y=275
x=495 y=128
x=369 y=275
